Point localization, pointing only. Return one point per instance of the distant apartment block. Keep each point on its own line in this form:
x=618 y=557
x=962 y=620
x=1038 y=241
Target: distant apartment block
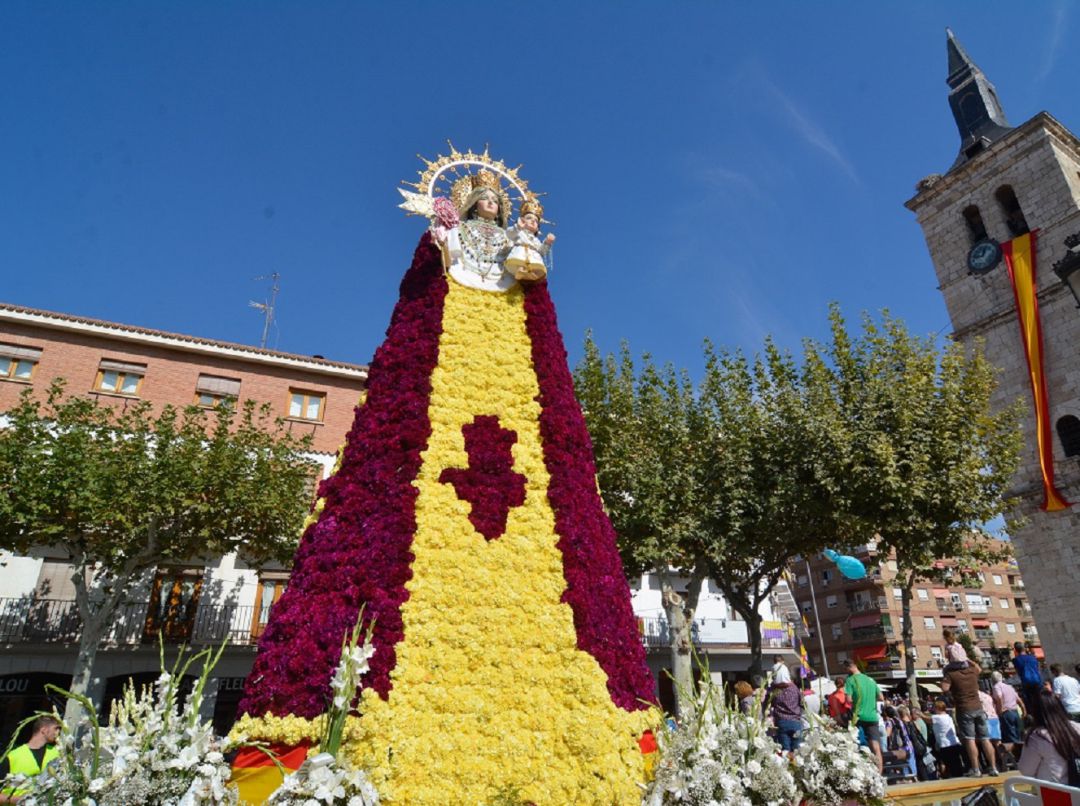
x=862 y=618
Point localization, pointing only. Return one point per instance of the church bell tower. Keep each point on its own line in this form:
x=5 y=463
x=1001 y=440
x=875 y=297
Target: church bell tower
x=1005 y=183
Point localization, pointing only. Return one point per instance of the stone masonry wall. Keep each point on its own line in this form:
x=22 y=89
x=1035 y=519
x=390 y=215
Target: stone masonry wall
x=1040 y=160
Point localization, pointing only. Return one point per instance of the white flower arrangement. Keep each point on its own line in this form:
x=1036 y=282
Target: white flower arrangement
x=152 y=751
x=719 y=756
x=326 y=778
x=831 y=768
x=322 y=779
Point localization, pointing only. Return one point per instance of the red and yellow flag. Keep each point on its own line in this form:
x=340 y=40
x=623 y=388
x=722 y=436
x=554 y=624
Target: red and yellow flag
x=1020 y=259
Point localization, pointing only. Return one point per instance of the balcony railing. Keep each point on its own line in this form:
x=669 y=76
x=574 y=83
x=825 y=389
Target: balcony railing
x=656 y=634
x=861 y=635
x=867 y=605
x=39 y=621
x=985 y=635
x=871 y=579
x=1018 y=588
x=978 y=608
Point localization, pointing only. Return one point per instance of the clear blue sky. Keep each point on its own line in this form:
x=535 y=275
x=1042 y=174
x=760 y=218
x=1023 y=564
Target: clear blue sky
x=715 y=170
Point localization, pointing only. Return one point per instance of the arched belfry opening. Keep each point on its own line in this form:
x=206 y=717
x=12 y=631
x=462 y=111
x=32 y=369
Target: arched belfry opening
x=1068 y=431
x=1010 y=206
x=975 y=227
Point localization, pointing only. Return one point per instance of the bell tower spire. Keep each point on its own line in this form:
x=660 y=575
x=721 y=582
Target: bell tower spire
x=974 y=103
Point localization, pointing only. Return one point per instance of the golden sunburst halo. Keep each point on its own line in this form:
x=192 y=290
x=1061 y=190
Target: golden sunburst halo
x=452 y=168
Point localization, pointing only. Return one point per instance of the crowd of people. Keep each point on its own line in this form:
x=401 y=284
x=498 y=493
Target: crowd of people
x=981 y=724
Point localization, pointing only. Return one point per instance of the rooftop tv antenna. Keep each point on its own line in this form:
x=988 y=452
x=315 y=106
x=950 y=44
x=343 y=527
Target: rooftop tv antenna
x=267 y=307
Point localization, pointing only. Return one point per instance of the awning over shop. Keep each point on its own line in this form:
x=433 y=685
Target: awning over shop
x=931 y=687
x=871 y=652
x=865 y=620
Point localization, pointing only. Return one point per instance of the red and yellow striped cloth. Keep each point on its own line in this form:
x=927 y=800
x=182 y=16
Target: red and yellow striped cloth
x=1020 y=259
x=256 y=775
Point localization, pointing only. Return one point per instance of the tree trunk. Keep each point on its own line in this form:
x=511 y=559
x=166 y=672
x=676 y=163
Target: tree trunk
x=739 y=601
x=96 y=616
x=679 y=610
x=93 y=630
x=906 y=634
x=753 y=635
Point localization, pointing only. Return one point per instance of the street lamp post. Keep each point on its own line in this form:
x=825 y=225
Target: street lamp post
x=1068 y=268
x=817 y=620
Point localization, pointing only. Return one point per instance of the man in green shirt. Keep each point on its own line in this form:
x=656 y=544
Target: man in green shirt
x=865 y=693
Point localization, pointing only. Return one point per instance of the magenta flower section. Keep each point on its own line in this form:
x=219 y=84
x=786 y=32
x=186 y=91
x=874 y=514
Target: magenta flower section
x=359 y=551
x=596 y=588
x=489 y=484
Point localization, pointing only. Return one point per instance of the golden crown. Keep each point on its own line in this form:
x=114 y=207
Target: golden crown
x=484 y=179
x=531 y=205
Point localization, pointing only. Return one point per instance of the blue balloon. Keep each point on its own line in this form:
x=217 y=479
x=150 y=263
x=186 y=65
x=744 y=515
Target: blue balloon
x=850 y=567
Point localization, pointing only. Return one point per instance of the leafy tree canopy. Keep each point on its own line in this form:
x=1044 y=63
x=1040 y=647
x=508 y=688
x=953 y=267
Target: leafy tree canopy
x=124 y=490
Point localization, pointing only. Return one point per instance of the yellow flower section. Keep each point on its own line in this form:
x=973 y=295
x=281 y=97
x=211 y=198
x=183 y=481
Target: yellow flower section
x=290 y=730
x=490 y=693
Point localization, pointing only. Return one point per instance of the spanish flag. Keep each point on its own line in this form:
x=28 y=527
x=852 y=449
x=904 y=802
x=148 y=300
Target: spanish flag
x=255 y=774
x=1020 y=259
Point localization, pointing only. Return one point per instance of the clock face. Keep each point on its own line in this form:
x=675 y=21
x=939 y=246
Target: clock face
x=984 y=256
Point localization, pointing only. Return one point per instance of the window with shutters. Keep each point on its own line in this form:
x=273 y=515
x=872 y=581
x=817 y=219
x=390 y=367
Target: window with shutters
x=174 y=600
x=271 y=586
x=306 y=405
x=119 y=378
x=211 y=391
x=18 y=363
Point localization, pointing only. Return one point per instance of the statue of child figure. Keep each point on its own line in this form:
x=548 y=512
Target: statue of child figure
x=526 y=258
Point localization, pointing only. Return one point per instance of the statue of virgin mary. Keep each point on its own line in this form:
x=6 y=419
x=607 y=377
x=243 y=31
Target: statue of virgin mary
x=465 y=520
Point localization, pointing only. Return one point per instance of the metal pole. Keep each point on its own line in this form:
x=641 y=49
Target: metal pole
x=267 y=307
x=817 y=620
x=270 y=309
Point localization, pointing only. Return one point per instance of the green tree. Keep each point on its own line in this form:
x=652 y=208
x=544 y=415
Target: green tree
x=649 y=439
x=929 y=459
x=125 y=490
x=778 y=464
x=729 y=480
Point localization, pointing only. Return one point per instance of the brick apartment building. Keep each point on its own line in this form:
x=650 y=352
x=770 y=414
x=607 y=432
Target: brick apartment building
x=862 y=618
x=200 y=603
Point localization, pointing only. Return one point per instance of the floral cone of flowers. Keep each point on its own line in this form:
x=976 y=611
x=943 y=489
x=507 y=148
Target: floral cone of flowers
x=465 y=519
